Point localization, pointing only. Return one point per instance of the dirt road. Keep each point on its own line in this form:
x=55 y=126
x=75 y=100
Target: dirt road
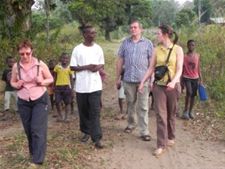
x=128 y=151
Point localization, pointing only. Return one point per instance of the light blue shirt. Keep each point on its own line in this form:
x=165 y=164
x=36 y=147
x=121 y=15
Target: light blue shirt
x=136 y=56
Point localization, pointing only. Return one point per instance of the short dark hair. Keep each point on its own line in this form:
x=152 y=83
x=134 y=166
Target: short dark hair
x=8 y=57
x=83 y=28
x=190 y=41
x=25 y=44
x=64 y=54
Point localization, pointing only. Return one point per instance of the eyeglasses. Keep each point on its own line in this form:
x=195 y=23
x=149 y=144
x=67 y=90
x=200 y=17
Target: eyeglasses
x=25 y=53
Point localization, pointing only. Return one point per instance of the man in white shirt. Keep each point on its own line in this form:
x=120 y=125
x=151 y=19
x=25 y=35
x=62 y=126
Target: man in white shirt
x=86 y=60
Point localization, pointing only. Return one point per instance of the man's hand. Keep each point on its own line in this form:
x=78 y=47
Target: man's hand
x=92 y=68
x=118 y=84
x=141 y=87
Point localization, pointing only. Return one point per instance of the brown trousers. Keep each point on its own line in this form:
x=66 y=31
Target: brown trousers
x=166 y=102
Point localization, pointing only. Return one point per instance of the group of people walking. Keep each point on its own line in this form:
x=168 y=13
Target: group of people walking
x=136 y=62
x=141 y=60
x=31 y=77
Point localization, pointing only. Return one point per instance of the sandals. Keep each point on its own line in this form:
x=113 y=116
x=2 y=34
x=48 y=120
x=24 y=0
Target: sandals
x=146 y=138
x=159 y=151
x=170 y=143
x=128 y=129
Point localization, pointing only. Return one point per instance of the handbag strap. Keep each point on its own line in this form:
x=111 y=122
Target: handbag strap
x=167 y=61
x=168 y=57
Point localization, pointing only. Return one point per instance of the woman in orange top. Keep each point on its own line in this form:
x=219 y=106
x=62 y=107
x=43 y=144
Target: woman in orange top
x=30 y=77
x=166 y=90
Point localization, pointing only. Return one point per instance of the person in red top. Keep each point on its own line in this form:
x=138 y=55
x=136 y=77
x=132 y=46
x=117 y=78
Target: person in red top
x=191 y=78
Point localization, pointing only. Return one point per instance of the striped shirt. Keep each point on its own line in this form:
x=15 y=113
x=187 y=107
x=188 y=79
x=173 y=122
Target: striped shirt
x=136 y=56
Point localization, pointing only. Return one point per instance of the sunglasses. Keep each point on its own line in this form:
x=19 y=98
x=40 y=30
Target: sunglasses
x=25 y=53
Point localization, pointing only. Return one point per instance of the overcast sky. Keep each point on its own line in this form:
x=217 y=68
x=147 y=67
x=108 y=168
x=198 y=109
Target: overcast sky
x=182 y=1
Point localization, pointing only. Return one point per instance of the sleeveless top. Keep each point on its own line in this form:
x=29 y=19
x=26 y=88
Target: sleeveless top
x=191 y=66
x=161 y=56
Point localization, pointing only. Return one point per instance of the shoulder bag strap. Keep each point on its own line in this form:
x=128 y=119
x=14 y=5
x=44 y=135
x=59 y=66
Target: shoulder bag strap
x=167 y=61
x=18 y=69
x=168 y=57
x=38 y=67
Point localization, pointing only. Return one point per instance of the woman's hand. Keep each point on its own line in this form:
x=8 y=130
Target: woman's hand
x=171 y=85
x=39 y=80
x=19 y=84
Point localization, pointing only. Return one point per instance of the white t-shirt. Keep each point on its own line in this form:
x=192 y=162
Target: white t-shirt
x=87 y=81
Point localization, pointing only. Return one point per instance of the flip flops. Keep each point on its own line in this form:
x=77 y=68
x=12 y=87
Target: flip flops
x=159 y=151
x=129 y=129
x=146 y=138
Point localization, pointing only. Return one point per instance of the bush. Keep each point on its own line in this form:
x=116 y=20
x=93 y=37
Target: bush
x=210 y=44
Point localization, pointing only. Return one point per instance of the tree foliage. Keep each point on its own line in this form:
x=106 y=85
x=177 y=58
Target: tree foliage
x=204 y=9
x=109 y=14
x=218 y=8
x=185 y=17
x=15 y=18
x=164 y=12
x=49 y=15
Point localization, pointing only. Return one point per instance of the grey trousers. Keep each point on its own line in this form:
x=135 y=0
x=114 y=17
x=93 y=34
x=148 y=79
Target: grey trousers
x=7 y=99
x=135 y=98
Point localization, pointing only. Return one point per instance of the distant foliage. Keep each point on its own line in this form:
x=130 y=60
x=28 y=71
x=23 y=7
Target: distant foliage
x=185 y=17
x=39 y=23
x=211 y=46
x=205 y=9
x=110 y=14
x=164 y=12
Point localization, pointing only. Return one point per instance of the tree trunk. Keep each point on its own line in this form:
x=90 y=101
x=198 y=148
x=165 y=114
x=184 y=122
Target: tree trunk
x=21 y=12
x=47 y=11
x=107 y=35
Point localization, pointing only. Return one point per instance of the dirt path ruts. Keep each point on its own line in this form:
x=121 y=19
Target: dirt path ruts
x=129 y=152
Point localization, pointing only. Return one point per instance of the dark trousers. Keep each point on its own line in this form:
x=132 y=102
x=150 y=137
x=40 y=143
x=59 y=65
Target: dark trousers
x=89 y=113
x=34 y=116
x=166 y=102
x=191 y=86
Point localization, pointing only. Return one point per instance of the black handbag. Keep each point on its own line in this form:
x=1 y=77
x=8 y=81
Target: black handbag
x=162 y=70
